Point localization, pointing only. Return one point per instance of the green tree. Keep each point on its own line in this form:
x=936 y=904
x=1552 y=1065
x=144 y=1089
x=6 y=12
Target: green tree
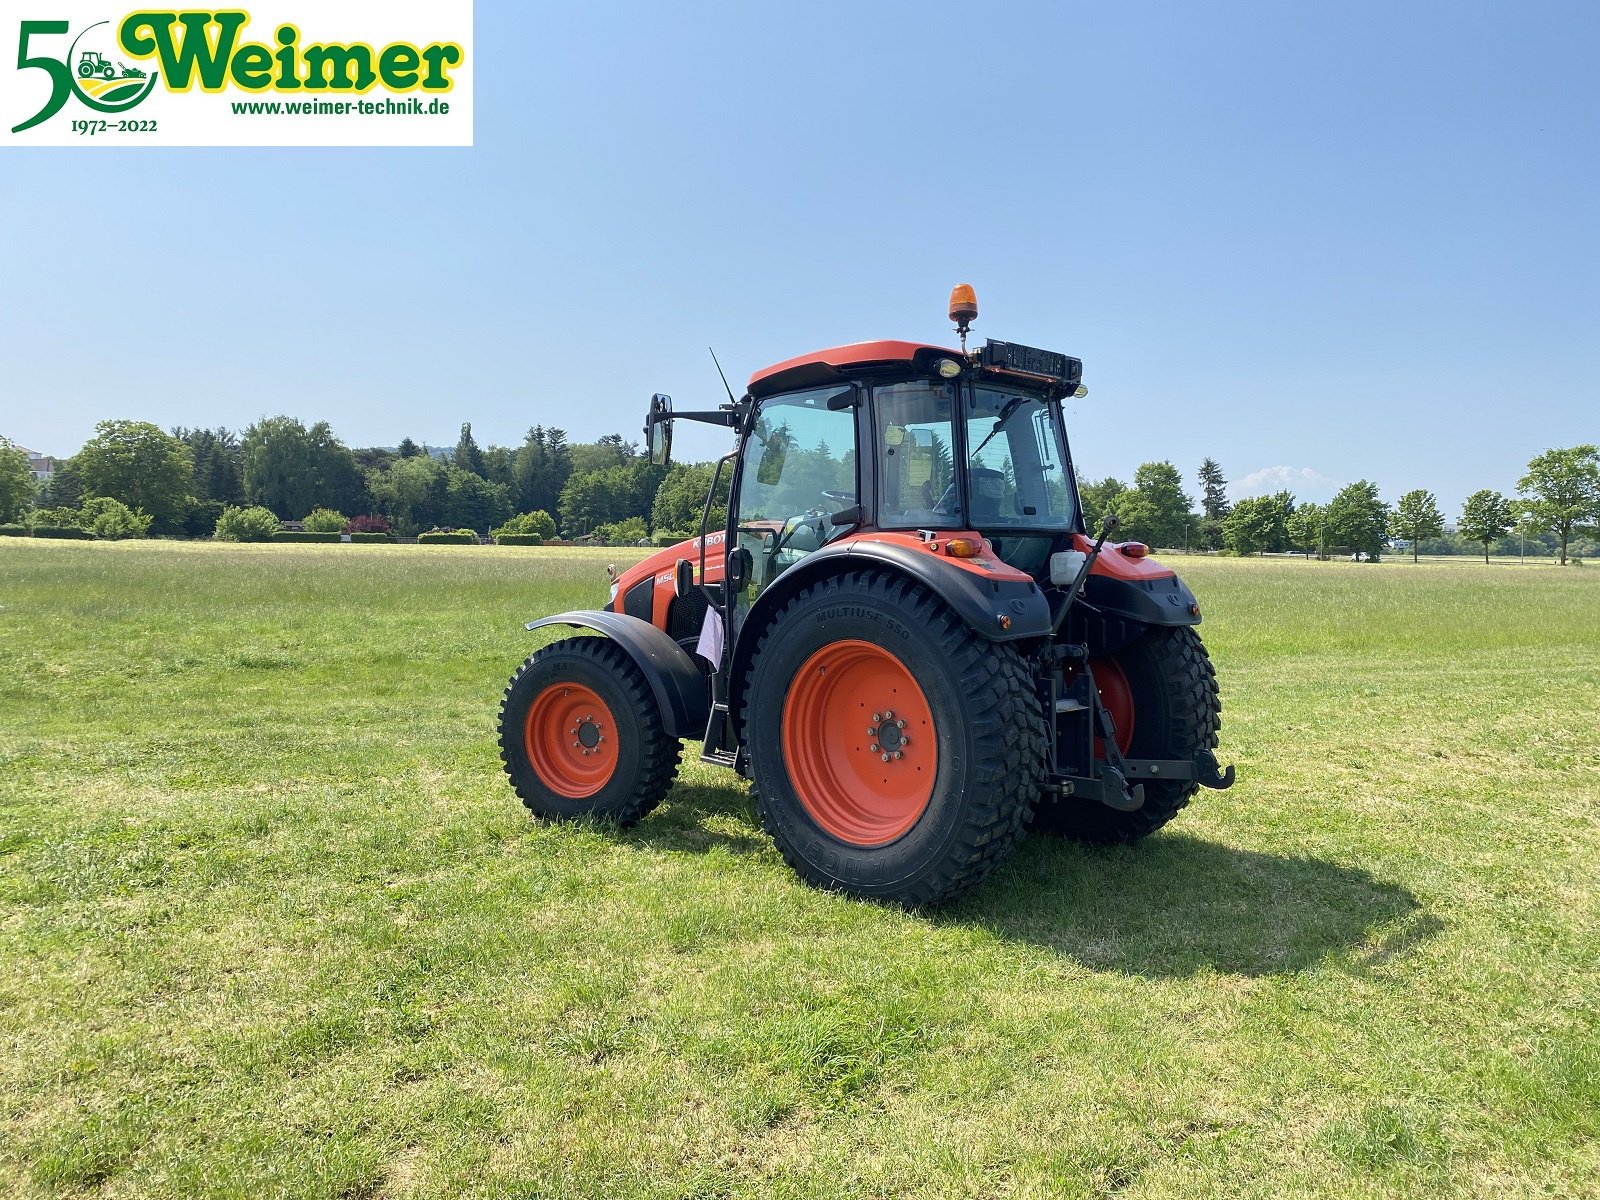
x=539 y=522
x=612 y=450
x=218 y=464
x=1561 y=492
x=411 y=493
x=1417 y=516
x=540 y=468
x=64 y=489
x=1157 y=509
x=113 y=521
x=680 y=500
x=629 y=532
x=1358 y=520
x=1100 y=498
x=472 y=502
x=1258 y=524
x=325 y=520
x=1486 y=517
x=138 y=464
x=607 y=496
x=1213 y=491
x=16 y=481
x=255 y=524
x=408 y=449
x=1304 y=528
x=291 y=469
x=467 y=456
x=497 y=461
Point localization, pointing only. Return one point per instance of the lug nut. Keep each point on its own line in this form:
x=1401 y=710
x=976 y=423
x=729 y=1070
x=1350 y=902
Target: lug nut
x=876 y=717
x=885 y=758
x=899 y=724
x=873 y=747
x=578 y=744
x=905 y=741
x=898 y=756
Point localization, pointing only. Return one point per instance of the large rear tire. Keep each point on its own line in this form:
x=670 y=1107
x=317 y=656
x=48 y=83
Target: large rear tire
x=895 y=752
x=1162 y=692
x=581 y=735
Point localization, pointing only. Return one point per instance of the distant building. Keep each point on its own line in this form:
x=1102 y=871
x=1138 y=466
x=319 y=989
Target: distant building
x=43 y=465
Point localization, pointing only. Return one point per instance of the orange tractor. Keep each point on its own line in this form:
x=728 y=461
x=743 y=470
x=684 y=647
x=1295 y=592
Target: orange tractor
x=900 y=631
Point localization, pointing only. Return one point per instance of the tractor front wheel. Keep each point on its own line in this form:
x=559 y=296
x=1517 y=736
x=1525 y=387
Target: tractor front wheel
x=581 y=735
x=1161 y=692
x=895 y=752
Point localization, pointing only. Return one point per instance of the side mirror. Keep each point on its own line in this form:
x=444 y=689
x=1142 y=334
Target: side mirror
x=658 y=430
x=682 y=578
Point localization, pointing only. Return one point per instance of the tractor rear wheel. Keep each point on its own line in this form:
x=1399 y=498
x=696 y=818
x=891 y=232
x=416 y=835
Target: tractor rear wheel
x=1161 y=692
x=581 y=734
x=895 y=752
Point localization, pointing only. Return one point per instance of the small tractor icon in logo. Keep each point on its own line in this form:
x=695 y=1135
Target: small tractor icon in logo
x=94 y=63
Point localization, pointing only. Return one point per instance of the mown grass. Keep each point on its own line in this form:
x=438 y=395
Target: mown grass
x=271 y=923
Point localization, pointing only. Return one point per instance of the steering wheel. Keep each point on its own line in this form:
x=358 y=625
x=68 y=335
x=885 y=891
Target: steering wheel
x=842 y=499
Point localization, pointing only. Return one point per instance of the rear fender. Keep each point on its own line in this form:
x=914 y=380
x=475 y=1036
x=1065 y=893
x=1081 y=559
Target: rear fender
x=978 y=600
x=679 y=688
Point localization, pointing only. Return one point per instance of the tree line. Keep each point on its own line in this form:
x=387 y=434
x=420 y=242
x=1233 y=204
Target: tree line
x=1556 y=506
x=180 y=482
x=141 y=478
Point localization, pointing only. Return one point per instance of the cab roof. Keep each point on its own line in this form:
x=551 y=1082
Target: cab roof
x=834 y=364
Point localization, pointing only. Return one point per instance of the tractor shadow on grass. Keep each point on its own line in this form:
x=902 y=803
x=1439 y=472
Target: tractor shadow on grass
x=1177 y=905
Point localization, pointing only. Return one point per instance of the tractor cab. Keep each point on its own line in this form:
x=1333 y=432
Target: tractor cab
x=902 y=436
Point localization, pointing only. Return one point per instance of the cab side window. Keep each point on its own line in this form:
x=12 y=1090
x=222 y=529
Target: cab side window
x=915 y=444
x=799 y=469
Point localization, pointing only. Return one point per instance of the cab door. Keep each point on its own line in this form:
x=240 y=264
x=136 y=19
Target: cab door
x=798 y=467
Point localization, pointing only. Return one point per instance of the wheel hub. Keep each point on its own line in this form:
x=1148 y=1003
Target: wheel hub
x=888 y=736
x=588 y=734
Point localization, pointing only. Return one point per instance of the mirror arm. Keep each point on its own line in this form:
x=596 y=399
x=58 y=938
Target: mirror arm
x=720 y=416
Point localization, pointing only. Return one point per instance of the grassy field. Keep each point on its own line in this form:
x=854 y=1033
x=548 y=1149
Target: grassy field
x=272 y=923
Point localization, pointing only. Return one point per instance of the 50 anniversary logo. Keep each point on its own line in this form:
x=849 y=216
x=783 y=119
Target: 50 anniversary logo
x=223 y=80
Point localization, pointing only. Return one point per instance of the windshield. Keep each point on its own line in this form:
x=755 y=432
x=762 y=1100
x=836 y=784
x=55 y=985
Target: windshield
x=1017 y=475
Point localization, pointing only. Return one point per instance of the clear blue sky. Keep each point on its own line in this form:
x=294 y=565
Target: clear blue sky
x=1353 y=240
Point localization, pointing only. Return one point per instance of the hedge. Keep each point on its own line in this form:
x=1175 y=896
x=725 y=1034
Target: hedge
x=364 y=538
x=68 y=532
x=448 y=539
x=14 y=531
x=288 y=535
x=519 y=539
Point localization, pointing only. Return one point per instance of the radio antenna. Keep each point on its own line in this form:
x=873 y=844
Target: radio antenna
x=725 y=386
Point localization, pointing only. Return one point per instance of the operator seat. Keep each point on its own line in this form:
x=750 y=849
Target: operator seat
x=988 y=489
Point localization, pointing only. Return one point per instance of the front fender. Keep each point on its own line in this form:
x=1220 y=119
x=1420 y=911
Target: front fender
x=1162 y=600
x=679 y=688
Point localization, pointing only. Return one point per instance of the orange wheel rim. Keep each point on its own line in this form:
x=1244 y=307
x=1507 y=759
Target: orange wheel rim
x=571 y=739
x=859 y=742
x=1116 y=695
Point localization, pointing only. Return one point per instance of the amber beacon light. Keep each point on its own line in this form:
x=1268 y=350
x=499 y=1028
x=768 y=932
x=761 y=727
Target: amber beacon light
x=963 y=309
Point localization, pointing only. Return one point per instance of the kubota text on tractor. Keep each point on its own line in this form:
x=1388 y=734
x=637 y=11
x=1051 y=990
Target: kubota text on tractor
x=900 y=631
